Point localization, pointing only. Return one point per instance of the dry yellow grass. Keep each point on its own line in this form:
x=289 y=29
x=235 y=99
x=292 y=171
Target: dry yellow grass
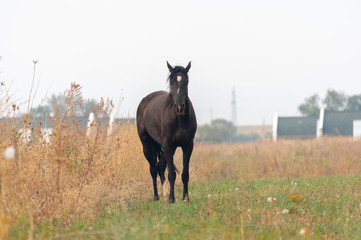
x=76 y=174
x=283 y=159
x=72 y=174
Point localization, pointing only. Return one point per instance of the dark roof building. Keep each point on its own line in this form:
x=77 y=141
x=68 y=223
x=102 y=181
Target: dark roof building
x=296 y=127
x=330 y=123
x=339 y=123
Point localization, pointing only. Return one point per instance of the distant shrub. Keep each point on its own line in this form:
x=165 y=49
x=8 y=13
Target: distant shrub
x=222 y=131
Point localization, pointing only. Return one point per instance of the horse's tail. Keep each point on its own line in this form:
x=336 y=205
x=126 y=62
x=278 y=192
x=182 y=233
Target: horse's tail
x=159 y=152
x=175 y=168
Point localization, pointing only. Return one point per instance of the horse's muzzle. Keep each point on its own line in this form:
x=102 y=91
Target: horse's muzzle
x=180 y=108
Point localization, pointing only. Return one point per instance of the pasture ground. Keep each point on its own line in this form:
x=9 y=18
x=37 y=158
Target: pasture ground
x=93 y=183
x=316 y=208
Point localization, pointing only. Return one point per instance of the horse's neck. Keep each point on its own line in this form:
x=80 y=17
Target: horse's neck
x=181 y=120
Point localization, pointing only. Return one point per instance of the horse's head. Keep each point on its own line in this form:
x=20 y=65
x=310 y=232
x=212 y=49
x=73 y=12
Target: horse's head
x=178 y=81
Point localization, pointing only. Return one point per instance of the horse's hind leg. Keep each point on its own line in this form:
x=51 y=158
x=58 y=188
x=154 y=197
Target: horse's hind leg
x=150 y=155
x=187 y=152
x=161 y=165
x=168 y=156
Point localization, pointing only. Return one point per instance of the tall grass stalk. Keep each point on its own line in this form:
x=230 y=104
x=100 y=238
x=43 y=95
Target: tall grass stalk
x=70 y=174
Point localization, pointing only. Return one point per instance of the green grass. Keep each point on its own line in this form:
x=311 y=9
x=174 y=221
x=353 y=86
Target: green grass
x=327 y=207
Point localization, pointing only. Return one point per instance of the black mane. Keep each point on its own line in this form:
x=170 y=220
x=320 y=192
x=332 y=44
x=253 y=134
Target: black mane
x=176 y=70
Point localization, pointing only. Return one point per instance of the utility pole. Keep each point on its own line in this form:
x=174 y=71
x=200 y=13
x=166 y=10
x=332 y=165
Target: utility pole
x=234 y=107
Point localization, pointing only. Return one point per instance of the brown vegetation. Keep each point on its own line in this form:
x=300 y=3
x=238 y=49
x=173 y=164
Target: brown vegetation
x=78 y=173
x=282 y=159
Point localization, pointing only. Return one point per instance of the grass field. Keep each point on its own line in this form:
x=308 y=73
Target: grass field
x=318 y=208
x=90 y=183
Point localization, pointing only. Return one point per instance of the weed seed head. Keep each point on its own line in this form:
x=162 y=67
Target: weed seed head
x=304 y=231
x=9 y=153
x=285 y=211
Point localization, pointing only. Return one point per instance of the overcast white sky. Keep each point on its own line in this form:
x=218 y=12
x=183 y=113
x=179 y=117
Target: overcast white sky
x=275 y=53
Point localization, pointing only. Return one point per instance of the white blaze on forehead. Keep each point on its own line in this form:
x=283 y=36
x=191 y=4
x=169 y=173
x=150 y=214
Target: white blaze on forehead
x=179 y=78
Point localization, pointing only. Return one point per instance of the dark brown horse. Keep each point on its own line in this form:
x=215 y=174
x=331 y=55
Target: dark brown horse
x=165 y=121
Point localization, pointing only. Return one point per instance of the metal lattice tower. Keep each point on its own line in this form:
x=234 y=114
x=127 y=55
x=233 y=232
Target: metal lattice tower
x=234 y=107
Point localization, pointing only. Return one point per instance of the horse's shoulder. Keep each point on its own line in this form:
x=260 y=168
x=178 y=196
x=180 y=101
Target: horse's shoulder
x=149 y=98
x=156 y=94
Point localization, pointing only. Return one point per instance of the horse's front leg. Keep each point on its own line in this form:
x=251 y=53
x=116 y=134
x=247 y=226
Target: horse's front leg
x=187 y=152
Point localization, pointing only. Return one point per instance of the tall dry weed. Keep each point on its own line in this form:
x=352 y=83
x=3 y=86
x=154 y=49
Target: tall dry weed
x=74 y=172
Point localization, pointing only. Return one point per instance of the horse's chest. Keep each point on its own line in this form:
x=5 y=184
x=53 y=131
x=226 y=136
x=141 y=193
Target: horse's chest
x=181 y=136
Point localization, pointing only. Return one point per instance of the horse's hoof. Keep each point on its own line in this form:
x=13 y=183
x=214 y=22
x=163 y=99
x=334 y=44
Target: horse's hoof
x=186 y=199
x=171 y=201
x=156 y=198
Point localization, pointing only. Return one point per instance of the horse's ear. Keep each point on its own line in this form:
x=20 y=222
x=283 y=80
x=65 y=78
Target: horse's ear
x=169 y=67
x=188 y=67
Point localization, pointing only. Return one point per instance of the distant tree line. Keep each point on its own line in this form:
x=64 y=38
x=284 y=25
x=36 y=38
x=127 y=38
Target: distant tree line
x=58 y=102
x=220 y=130
x=333 y=101
x=80 y=109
